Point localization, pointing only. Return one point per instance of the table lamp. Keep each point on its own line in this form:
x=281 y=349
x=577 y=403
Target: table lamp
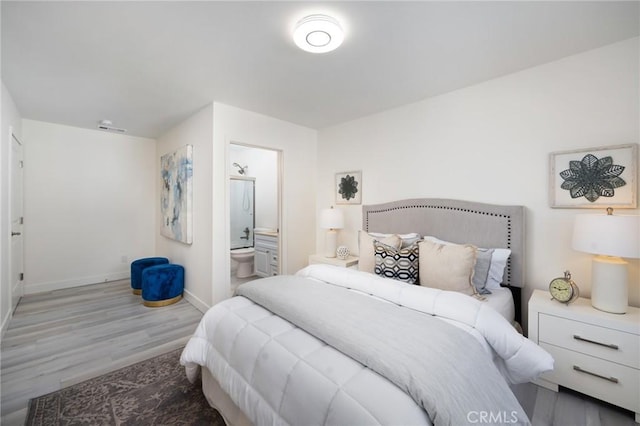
x=610 y=237
x=331 y=220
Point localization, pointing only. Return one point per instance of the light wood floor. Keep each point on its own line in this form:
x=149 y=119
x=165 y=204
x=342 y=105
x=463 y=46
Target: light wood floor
x=63 y=337
x=60 y=338
x=567 y=408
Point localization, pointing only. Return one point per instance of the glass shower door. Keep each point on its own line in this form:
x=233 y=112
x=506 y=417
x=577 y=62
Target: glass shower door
x=241 y=198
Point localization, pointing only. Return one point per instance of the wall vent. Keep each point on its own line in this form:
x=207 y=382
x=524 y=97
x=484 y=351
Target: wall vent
x=109 y=127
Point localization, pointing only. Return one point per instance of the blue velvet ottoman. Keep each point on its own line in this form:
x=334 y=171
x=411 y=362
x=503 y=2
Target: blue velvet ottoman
x=139 y=265
x=162 y=285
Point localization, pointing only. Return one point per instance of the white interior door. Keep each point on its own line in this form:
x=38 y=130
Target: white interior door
x=17 y=222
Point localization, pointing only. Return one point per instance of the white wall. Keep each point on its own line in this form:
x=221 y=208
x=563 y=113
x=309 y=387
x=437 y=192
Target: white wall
x=490 y=143
x=263 y=165
x=11 y=122
x=298 y=146
x=89 y=204
x=197 y=130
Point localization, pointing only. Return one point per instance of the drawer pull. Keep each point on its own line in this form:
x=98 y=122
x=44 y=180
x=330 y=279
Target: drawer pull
x=606 y=345
x=611 y=379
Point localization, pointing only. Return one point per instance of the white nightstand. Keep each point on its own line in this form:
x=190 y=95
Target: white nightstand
x=345 y=263
x=595 y=352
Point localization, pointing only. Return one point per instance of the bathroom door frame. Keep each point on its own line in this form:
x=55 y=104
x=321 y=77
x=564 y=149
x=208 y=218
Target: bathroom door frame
x=282 y=246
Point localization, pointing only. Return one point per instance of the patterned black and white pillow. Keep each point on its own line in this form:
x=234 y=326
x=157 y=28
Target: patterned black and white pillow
x=398 y=264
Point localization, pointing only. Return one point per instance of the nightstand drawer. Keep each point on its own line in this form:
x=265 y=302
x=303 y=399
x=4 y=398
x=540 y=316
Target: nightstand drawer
x=612 y=345
x=614 y=383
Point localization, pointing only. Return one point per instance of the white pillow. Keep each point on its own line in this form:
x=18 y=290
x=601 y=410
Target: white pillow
x=407 y=239
x=498 y=263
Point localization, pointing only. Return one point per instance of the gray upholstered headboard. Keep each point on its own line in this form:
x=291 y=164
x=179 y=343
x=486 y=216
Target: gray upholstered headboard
x=484 y=225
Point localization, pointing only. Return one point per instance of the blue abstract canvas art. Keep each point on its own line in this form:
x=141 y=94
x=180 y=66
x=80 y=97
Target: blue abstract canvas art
x=176 y=197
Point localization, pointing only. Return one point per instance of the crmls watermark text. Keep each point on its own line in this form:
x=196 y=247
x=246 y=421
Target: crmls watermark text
x=492 y=417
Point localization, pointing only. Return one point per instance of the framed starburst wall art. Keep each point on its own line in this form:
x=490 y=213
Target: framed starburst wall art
x=594 y=178
x=349 y=188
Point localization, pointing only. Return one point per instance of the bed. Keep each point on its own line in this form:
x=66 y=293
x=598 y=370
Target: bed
x=331 y=345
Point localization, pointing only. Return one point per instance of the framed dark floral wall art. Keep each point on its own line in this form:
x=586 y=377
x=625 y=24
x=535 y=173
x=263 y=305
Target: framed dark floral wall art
x=594 y=178
x=349 y=188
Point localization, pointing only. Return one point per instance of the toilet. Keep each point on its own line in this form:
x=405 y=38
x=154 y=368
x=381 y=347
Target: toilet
x=244 y=257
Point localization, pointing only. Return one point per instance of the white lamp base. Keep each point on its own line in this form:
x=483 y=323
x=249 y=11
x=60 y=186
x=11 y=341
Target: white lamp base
x=330 y=243
x=609 y=287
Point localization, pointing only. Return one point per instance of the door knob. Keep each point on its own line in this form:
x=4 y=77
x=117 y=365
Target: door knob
x=13 y=234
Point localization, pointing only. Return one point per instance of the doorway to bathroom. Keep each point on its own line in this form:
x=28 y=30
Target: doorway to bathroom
x=254 y=216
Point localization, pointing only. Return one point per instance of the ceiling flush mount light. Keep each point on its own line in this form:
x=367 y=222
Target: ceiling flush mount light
x=318 y=34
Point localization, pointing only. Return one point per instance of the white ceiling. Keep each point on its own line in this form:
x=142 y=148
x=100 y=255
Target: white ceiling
x=148 y=65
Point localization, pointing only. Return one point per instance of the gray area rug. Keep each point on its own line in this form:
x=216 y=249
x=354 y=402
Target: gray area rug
x=152 y=392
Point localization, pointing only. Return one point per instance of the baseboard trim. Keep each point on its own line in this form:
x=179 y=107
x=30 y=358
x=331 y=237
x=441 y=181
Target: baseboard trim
x=196 y=301
x=77 y=282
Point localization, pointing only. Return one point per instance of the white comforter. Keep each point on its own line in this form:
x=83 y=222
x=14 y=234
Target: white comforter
x=519 y=359
x=278 y=374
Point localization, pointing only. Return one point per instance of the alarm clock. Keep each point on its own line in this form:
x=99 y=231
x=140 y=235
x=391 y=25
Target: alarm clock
x=563 y=289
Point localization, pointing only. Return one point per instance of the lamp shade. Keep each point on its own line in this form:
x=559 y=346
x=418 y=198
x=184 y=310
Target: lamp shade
x=331 y=219
x=609 y=235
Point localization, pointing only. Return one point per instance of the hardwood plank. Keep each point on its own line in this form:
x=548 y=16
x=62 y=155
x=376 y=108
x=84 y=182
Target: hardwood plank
x=59 y=338
x=569 y=410
x=544 y=407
